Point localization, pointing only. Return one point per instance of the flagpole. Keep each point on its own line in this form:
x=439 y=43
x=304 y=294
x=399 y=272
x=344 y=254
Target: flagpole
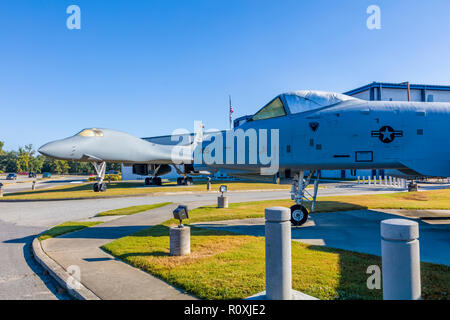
x=229 y=96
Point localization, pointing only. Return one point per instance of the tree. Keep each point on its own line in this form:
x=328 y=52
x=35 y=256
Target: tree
x=23 y=160
x=37 y=163
x=8 y=161
x=61 y=167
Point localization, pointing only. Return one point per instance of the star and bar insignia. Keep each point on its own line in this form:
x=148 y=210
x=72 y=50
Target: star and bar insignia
x=387 y=134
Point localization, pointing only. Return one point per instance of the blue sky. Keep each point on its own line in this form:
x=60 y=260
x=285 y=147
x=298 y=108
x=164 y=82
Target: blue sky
x=149 y=67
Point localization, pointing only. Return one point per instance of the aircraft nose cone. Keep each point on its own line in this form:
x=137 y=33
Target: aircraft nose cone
x=56 y=149
x=47 y=149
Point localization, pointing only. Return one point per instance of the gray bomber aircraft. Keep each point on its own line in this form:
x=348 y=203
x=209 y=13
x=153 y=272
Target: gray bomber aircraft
x=309 y=131
x=99 y=146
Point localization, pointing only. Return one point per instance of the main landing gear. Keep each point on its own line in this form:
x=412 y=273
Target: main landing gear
x=100 y=168
x=299 y=213
x=153 y=181
x=185 y=181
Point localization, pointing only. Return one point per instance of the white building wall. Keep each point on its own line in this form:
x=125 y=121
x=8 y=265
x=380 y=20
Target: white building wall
x=365 y=95
x=437 y=95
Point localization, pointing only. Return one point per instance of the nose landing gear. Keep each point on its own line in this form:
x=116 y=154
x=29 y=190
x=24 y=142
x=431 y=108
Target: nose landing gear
x=99 y=187
x=100 y=168
x=299 y=213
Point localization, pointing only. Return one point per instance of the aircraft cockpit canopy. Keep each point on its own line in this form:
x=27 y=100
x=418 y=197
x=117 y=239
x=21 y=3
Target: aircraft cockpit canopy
x=90 y=133
x=299 y=101
x=306 y=100
x=272 y=110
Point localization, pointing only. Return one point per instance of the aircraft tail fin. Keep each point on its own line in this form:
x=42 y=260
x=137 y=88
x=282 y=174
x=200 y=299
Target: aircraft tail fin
x=198 y=135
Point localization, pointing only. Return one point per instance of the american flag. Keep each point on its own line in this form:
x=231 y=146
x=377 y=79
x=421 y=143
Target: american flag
x=231 y=113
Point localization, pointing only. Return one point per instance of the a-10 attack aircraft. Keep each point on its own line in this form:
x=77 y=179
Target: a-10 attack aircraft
x=298 y=133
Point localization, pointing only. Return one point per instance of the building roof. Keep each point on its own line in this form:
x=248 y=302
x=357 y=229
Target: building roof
x=403 y=85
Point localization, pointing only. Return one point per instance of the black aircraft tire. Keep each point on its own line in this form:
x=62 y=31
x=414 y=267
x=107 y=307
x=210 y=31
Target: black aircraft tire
x=148 y=181
x=102 y=187
x=95 y=187
x=299 y=215
x=157 y=181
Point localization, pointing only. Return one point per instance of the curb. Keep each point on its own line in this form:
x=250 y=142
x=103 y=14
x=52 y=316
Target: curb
x=76 y=289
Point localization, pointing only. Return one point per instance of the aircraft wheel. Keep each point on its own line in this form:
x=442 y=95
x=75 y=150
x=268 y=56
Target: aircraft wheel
x=102 y=187
x=299 y=215
x=148 y=181
x=157 y=181
x=180 y=181
x=95 y=187
x=189 y=181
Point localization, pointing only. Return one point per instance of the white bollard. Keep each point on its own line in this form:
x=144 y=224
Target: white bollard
x=359 y=180
x=368 y=179
x=278 y=254
x=385 y=180
x=400 y=259
x=390 y=181
x=381 y=180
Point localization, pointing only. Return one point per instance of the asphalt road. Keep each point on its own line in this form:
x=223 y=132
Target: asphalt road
x=22 y=278
x=25 y=183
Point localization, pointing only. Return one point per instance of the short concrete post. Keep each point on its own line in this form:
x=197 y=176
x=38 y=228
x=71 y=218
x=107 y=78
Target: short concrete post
x=381 y=180
x=390 y=180
x=180 y=241
x=222 y=202
x=368 y=179
x=278 y=254
x=385 y=180
x=400 y=259
x=359 y=181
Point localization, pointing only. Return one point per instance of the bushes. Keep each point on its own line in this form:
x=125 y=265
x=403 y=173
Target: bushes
x=114 y=177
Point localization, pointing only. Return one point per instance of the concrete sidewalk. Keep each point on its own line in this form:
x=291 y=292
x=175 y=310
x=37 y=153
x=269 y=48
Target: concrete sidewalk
x=103 y=274
x=358 y=230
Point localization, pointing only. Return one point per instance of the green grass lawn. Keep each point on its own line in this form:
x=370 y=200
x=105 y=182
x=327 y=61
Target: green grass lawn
x=121 y=188
x=66 y=227
x=132 y=210
x=436 y=199
x=224 y=265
